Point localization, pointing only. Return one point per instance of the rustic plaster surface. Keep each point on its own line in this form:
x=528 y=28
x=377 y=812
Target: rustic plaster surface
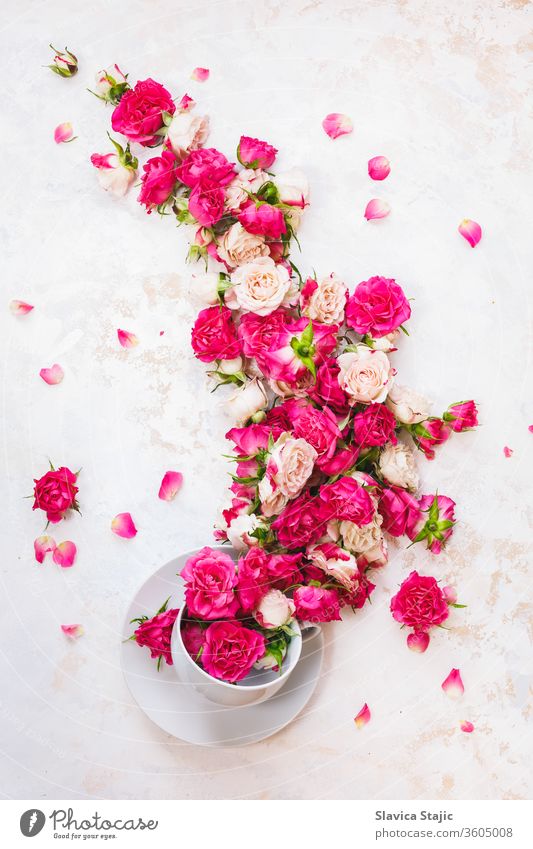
x=444 y=91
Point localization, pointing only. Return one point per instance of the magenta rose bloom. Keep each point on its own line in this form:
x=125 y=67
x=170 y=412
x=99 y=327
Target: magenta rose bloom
x=302 y=521
x=377 y=307
x=282 y=361
x=158 y=180
x=347 y=500
x=257 y=333
x=375 y=425
x=210 y=579
x=193 y=637
x=231 y=650
x=263 y=220
x=55 y=493
x=319 y=428
x=315 y=604
x=436 y=433
x=461 y=416
x=214 y=336
x=207 y=168
x=156 y=633
x=253 y=153
x=206 y=204
x=400 y=510
x=359 y=592
x=249 y=440
x=327 y=390
x=284 y=570
x=341 y=461
x=138 y=116
x=419 y=603
x=439 y=528
x=252 y=578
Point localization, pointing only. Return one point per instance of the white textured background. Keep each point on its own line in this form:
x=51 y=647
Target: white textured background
x=442 y=90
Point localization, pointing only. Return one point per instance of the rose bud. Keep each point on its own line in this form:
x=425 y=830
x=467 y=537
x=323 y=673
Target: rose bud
x=461 y=416
x=116 y=171
x=246 y=401
x=275 y=610
x=65 y=64
x=253 y=153
x=111 y=84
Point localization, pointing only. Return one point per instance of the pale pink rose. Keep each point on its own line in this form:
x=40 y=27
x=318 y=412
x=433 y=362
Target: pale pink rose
x=187 y=132
x=397 y=466
x=274 y=610
x=204 y=287
x=112 y=175
x=238 y=247
x=107 y=79
x=246 y=401
x=365 y=375
x=246 y=181
x=334 y=561
x=240 y=530
x=293 y=188
x=324 y=300
x=260 y=287
x=408 y=406
x=272 y=498
x=290 y=464
x=364 y=540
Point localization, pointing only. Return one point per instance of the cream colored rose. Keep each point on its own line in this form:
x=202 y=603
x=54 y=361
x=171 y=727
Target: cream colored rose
x=328 y=301
x=249 y=180
x=274 y=610
x=293 y=187
x=291 y=464
x=246 y=401
x=116 y=179
x=397 y=466
x=204 y=287
x=260 y=287
x=241 y=528
x=365 y=375
x=364 y=539
x=407 y=405
x=385 y=343
x=187 y=132
x=342 y=570
x=272 y=500
x=238 y=247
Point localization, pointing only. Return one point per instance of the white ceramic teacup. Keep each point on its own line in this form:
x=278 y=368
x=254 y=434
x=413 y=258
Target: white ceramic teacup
x=259 y=684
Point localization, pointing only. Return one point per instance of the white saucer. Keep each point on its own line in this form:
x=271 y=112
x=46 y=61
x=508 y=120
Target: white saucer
x=174 y=704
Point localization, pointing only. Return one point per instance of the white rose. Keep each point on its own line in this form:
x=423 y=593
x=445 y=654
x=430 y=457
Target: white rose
x=238 y=247
x=246 y=181
x=272 y=500
x=103 y=83
x=268 y=661
x=397 y=465
x=260 y=287
x=407 y=405
x=365 y=375
x=327 y=303
x=274 y=610
x=115 y=178
x=342 y=569
x=233 y=366
x=364 y=538
x=240 y=529
x=292 y=461
x=293 y=187
x=385 y=343
x=246 y=401
x=187 y=132
x=205 y=287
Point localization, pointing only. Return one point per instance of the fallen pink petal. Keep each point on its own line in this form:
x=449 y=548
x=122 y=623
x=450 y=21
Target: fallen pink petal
x=363 y=716
x=42 y=545
x=73 y=631
x=508 y=452
x=127 y=339
x=186 y=103
x=471 y=231
x=378 y=168
x=530 y=428
x=466 y=726
x=418 y=642
x=170 y=485
x=65 y=554
x=53 y=375
x=123 y=526
x=453 y=685
x=20 y=307
x=200 y=75
x=376 y=208
x=336 y=124
x=64 y=133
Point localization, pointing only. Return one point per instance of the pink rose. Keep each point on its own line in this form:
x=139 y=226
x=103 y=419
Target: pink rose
x=461 y=416
x=298 y=348
x=429 y=434
x=214 y=336
x=252 y=578
x=315 y=604
x=284 y=570
x=400 y=510
x=231 y=650
x=375 y=425
x=257 y=332
x=377 y=307
x=156 y=633
x=210 y=578
x=327 y=390
x=262 y=220
x=319 y=428
x=206 y=167
x=253 y=153
x=341 y=461
x=249 y=440
x=193 y=637
x=55 y=493
x=436 y=522
x=334 y=561
x=359 y=592
x=206 y=204
x=302 y=521
x=158 y=180
x=419 y=603
x=139 y=116
x=274 y=610
x=346 y=499
x=115 y=173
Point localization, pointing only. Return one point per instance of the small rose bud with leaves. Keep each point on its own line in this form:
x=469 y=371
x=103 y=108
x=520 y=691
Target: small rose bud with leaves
x=116 y=171
x=65 y=64
x=111 y=84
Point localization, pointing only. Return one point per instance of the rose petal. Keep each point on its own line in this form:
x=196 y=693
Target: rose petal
x=200 y=75
x=530 y=428
x=52 y=375
x=363 y=716
x=63 y=133
x=418 y=642
x=122 y=525
x=378 y=167
x=453 y=685
x=336 y=124
x=127 y=339
x=20 y=307
x=65 y=554
x=466 y=726
x=42 y=545
x=186 y=103
x=376 y=208
x=471 y=231
x=450 y=594
x=73 y=631
x=507 y=451
x=170 y=485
